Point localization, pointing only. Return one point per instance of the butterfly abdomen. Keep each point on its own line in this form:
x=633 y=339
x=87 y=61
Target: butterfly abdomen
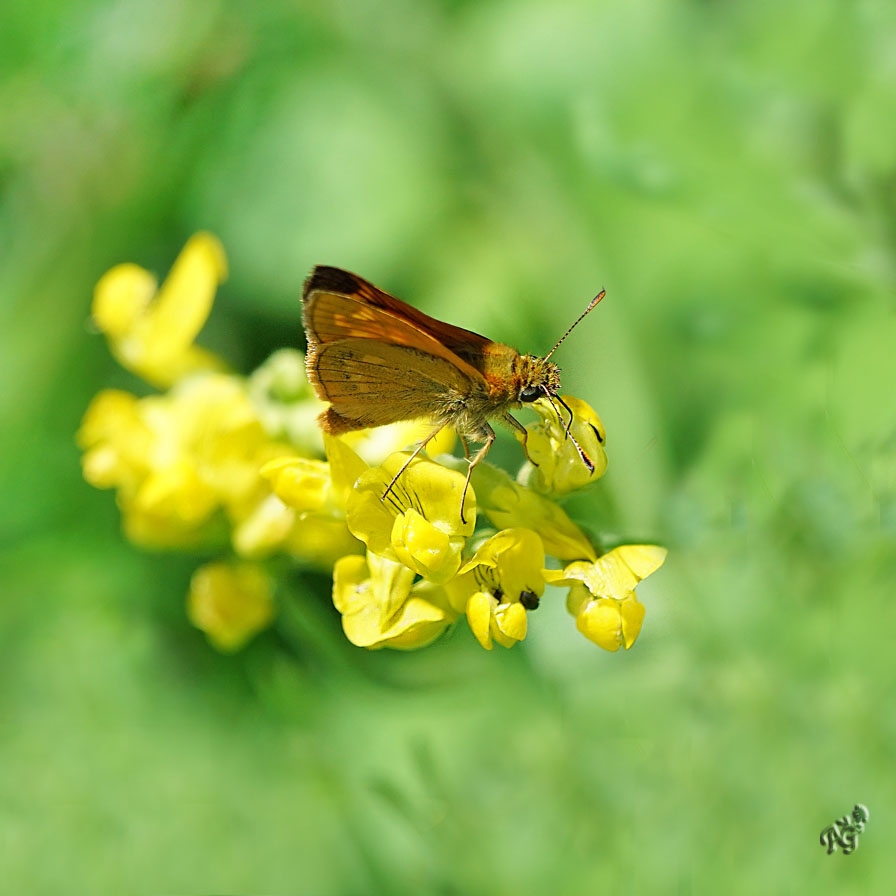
x=335 y=424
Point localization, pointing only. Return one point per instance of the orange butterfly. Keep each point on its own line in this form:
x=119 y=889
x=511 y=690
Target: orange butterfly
x=378 y=361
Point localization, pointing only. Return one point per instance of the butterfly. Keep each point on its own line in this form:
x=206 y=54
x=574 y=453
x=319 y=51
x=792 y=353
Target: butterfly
x=377 y=360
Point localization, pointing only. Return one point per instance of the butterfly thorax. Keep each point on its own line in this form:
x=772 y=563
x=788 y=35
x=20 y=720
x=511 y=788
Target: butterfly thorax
x=511 y=379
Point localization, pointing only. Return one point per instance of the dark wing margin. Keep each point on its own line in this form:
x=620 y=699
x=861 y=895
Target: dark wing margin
x=466 y=345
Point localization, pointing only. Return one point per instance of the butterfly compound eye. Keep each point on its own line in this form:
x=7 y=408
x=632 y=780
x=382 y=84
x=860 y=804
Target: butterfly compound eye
x=530 y=393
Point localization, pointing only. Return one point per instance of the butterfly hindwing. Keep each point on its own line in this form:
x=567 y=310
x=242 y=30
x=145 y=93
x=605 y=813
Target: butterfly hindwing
x=368 y=383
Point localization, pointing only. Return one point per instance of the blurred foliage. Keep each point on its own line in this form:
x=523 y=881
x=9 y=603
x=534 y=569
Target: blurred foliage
x=728 y=172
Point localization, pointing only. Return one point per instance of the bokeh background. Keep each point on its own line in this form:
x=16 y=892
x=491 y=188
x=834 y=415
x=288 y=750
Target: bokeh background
x=728 y=172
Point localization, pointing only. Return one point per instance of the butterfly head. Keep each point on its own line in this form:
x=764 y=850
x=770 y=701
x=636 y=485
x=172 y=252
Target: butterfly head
x=537 y=377
x=540 y=378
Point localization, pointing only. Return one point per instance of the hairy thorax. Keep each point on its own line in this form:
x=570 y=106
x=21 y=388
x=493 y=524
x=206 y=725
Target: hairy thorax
x=507 y=376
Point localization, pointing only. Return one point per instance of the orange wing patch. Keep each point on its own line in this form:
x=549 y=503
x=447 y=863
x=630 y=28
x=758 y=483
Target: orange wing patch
x=340 y=305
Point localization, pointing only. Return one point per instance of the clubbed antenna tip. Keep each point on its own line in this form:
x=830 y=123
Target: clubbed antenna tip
x=591 y=305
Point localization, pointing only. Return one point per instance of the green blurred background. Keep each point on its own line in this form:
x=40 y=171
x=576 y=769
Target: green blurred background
x=728 y=172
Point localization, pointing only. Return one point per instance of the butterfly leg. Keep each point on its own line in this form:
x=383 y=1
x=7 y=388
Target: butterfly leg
x=407 y=463
x=489 y=434
x=521 y=433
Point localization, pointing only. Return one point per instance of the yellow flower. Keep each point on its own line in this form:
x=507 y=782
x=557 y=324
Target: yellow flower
x=220 y=457
x=499 y=584
x=115 y=441
x=316 y=486
x=345 y=468
x=301 y=483
x=615 y=573
x=382 y=607
x=510 y=563
x=419 y=523
x=150 y=331
x=507 y=503
x=313 y=538
x=602 y=595
x=555 y=466
x=491 y=621
x=132 y=445
x=230 y=602
x=179 y=459
x=312 y=495
x=608 y=622
x=210 y=419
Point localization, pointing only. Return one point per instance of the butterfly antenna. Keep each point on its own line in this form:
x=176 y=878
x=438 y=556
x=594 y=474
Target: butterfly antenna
x=565 y=405
x=591 y=305
x=585 y=459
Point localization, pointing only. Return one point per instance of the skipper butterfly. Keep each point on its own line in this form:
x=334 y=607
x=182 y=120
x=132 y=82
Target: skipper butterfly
x=378 y=361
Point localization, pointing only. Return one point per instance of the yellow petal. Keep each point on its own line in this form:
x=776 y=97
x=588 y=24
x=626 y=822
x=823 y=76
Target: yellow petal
x=120 y=297
x=424 y=548
x=378 y=609
x=368 y=592
x=578 y=599
x=299 y=482
x=101 y=467
x=425 y=487
x=418 y=624
x=479 y=617
x=264 y=529
x=345 y=467
x=632 y=611
x=320 y=541
x=391 y=582
x=515 y=558
x=351 y=581
x=368 y=518
x=556 y=467
x=642 y=559
x=459 y=590
x=419 y=536
x=433 y=490
x=115 y=441
x=614 y=574
x=601 y=623
x=230 y=602
x=177 y=492
x=105 y=415
x=611 y=623
x=193 y=359
x=508 y=504
x=511 y=619
x=152 y=333
x=184 y=300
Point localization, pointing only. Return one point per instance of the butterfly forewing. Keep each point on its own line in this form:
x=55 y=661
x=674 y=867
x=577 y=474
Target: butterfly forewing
x=370 y=382
x=338 y=305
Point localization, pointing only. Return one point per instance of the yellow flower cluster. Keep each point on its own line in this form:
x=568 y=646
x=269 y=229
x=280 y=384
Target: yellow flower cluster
x=237 y=465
